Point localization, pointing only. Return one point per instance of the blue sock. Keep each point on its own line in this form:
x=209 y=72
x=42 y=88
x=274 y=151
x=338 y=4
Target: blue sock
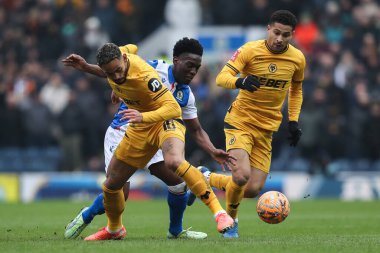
x=177 y=206
x=96 y=208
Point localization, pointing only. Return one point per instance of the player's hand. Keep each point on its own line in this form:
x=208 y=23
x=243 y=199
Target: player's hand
x=132 y=115
x=249 y=83
x=294 y=133
x=75 y=61
x=224 y=159
x=115 y=99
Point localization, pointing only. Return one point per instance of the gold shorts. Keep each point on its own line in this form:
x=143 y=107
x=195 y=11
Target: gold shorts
x=256 y=141
x=141 y=141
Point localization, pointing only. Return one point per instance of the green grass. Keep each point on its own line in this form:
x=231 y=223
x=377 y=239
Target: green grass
x=312 y=226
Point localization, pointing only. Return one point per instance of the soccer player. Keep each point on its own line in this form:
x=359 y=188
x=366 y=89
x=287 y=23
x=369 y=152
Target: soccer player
x=269 y=70
x=187 y=58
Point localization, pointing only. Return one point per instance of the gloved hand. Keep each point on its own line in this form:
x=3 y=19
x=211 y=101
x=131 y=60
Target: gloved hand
x=248 y=83
x=294 y=133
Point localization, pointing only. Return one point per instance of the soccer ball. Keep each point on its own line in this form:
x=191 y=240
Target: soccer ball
x=273 y=207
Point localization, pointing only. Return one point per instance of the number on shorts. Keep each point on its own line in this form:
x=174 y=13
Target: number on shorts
x=169 y=125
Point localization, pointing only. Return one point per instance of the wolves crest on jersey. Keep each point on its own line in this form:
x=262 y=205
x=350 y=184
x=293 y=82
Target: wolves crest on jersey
x=272 y=67
x=232 y=140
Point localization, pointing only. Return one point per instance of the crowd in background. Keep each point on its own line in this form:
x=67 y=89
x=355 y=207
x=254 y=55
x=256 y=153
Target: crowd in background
x=44 y=105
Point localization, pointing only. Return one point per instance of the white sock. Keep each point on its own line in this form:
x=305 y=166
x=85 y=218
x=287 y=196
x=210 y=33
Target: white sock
x=112 y=231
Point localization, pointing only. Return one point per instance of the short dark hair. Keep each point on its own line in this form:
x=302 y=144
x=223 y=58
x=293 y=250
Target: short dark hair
x=283 y=17
x=107 y=53
x=186 y=45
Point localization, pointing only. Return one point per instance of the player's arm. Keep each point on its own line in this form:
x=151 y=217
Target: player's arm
x=200 y=136
x=227 y=77
x=78 y=62
x=295 y=91
x=169 y=110
x=295 y=99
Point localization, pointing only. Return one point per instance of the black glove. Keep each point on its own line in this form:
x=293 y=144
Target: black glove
x=294 y=133
x=249 y=83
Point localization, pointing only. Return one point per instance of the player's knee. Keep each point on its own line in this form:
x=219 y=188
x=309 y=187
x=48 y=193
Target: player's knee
x=173 y=163
x=241 y=178
x=113 y=185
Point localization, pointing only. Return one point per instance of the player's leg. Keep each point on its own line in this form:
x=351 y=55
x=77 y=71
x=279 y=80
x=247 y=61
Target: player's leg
x=125 y=161
x=170 y=137
x=176 y=195
x=258 y=142
x=111 y=139
x=97 y=207
x=260 y=160
x=239 y=144
x=235 y=187
x=255 y=183
x=118 y=173
x=176 y=199
x=173 y=150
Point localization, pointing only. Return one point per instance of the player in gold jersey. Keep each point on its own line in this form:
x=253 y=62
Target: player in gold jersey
x=154 y=118
x=269 y=70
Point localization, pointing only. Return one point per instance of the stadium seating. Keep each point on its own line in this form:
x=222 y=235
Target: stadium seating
x=30 y=159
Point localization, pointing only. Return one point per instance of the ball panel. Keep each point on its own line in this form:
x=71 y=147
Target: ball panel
x=273 y=207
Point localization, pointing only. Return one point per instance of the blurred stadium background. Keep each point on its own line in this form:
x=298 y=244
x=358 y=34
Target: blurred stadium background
x=53 y=119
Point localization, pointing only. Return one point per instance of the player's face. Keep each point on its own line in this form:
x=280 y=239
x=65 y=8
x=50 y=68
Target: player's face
x=279 y=36
x=116 y=70
x=185 y=67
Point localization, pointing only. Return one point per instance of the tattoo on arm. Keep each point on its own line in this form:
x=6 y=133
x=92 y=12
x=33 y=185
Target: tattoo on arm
x=167 y=147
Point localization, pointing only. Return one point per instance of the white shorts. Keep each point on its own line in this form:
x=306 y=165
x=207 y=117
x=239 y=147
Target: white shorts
x=112 y=139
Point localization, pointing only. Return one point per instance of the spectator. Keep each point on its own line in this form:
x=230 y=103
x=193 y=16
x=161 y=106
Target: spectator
x=55 y=94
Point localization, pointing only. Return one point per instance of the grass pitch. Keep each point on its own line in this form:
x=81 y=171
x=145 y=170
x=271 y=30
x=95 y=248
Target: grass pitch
x=312 y=226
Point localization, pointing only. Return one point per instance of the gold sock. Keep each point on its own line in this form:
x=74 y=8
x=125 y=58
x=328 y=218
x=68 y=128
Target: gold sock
x=114 y=205
x=199 y=186
x=219 y=181
x=234 y=195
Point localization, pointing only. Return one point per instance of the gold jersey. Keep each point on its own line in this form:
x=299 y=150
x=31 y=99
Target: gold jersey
x=143 y=91
x=278 y=73
x=129 y=49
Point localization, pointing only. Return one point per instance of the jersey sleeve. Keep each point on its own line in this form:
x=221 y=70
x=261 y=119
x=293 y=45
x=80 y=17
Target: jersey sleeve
x=129 y=49
x=190 y=110
x=298 y=75
x=295 y=96
x=169 y=108
x=227 y=77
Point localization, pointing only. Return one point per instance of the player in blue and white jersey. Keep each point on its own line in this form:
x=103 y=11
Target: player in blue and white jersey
x=187 y=55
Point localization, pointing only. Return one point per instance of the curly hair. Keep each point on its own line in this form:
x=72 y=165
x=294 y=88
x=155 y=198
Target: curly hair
x=107 y=53
x=186 y=45
x=283 y=17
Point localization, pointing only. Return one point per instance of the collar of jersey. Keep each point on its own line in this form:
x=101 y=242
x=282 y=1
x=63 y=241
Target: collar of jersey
x=171 y=75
